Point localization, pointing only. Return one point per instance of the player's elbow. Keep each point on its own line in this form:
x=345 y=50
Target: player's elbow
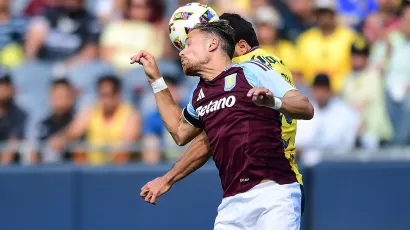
x=305 y=111
x=181 y=142
x=310 y=111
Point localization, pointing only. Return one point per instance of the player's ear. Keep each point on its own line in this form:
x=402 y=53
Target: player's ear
x=242 y=47
x=213 y=45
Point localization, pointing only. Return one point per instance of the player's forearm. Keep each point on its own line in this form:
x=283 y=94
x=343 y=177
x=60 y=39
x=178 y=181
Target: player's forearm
x=171 y=115
x=297 y=107
x=193 y=158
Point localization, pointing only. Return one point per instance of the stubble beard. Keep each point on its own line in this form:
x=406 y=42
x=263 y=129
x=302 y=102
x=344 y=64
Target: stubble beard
x=190 y=69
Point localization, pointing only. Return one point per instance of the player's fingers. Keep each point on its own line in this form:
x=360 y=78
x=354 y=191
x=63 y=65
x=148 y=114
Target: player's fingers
x=255 y=91
x=255 y=98
x=136 y=58
x=148 y=197
x=144 y=193
x=265 y=90
x=153 y=199
x=258 y=91
x=269 y=93
x=143 y=61
x=146 y=55
x=250 y=92
x=260 y=97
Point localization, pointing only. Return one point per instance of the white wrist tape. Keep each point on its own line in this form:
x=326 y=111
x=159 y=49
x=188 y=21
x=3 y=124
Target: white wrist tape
x=159 y=85
x=278 y=103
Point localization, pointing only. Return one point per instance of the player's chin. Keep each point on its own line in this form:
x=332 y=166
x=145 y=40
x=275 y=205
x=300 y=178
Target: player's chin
x=189 y=70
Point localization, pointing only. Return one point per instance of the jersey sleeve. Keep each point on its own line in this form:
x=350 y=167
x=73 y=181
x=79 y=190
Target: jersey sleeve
x=189 y=113
x=259 y=74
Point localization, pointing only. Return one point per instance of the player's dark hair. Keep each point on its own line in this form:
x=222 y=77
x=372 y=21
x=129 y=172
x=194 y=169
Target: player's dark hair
x=61 y=82
x=243 y=29
x=115 y=81
x=223 y=30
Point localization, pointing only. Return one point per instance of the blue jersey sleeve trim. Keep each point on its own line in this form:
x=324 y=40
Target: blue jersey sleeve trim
x=191 y=120
x=189 y=113
x=190 y=108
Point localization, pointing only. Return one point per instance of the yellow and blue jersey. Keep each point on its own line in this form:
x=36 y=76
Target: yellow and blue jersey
x=288 y=124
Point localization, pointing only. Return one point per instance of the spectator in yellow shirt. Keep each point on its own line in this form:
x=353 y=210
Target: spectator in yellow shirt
x=326 y=47
x=111 y=126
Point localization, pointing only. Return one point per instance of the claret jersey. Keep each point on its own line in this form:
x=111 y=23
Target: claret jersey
x=246 y=139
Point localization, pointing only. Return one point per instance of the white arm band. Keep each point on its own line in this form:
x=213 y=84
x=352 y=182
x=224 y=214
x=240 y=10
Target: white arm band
x=159 y=85
x=278 y=103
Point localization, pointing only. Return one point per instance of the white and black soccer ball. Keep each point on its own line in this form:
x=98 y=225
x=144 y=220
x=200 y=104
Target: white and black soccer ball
x=185 y=18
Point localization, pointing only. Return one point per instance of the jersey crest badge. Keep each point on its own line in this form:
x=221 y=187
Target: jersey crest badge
x=230 y=82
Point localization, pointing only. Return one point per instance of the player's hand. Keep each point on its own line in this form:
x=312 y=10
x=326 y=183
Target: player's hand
x=154 y=189
x=150 y=65
x=262 y=96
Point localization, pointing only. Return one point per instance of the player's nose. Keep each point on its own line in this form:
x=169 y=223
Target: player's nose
x=182 y=53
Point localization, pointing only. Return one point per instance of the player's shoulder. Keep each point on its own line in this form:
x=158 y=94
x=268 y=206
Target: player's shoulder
x=261 y=52
x=254 y=71
x=253 y=66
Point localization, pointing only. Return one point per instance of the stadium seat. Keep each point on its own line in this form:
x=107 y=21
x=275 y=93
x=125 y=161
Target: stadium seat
x=31 y=81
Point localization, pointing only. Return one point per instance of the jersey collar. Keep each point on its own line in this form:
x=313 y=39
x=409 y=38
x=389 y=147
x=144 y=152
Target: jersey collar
x=253 y=49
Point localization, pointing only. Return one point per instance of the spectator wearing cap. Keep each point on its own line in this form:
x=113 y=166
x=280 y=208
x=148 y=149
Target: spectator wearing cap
x=110 y=127
x=67 y=35
x=267 y=22
x=326 y=47
x=364 y=91
x=157 y=142
x=62 y=99
x=12 y=122
x=393 y=55
x=12 y=33
x=332 y=130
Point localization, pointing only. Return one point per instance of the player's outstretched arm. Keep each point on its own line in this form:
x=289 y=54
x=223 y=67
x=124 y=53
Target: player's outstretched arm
x=273 y=91
x=292 y=103
x=194 y=157
x=181 y=131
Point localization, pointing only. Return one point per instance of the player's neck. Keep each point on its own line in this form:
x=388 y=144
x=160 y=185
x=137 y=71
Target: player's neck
x=214 y=68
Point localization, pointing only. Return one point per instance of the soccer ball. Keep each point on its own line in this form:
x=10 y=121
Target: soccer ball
x=185 y=18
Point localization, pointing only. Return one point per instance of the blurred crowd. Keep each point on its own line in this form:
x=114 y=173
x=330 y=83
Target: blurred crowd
x=68 y=92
